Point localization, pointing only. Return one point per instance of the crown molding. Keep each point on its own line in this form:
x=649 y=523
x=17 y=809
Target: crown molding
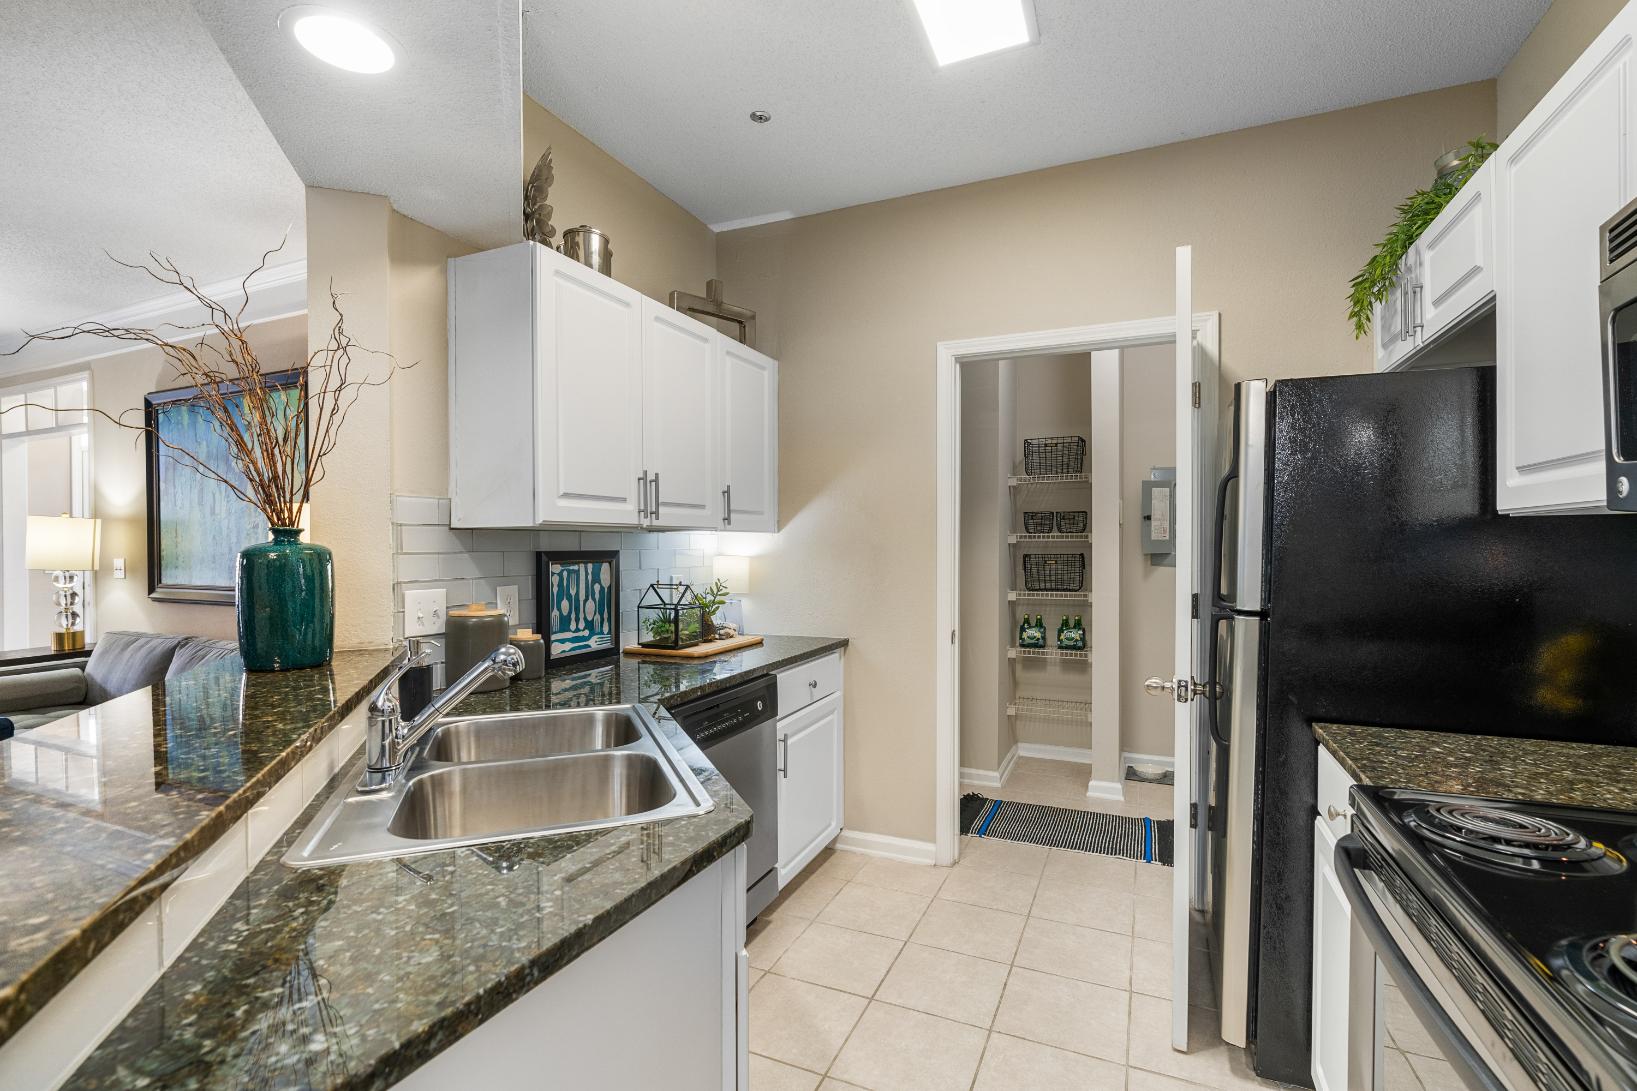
x=277 y=292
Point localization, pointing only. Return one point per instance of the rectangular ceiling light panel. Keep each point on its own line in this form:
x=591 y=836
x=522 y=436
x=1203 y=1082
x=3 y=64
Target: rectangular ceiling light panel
x=962 y=29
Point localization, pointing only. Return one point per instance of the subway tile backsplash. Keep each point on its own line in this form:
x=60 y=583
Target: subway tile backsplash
x=470 y=565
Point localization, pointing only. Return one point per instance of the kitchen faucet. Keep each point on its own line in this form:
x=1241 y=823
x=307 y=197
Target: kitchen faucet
x=389 y=737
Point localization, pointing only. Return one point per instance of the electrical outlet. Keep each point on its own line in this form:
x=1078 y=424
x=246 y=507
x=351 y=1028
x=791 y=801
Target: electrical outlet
x=119 y=568
x=507 y=597
x=423 y=612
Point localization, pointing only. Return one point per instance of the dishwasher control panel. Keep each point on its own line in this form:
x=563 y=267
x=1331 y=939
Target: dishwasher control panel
x=708 y=720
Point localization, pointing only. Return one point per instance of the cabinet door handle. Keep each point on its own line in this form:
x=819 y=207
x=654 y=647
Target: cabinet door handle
x=727 y=505
x=1403 y=309
x=653 y=509
x=1335 y=813
x=784 y=756
x=1417 y=308
x=642 y=496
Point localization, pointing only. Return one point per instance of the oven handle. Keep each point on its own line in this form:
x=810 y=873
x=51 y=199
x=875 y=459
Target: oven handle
x=1351 y=859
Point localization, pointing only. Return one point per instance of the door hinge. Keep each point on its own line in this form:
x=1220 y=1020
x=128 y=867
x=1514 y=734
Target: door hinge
x=1196 y=606
x=952 y=636
x=1193 y=816
x=1196 y=395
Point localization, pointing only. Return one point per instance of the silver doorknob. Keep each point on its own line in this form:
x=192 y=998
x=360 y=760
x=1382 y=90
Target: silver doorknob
x=1184 y=689
x=1156 y=686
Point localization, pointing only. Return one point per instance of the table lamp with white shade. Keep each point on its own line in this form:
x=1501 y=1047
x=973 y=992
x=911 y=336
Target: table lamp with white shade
x=735 y=573
x=65 y=546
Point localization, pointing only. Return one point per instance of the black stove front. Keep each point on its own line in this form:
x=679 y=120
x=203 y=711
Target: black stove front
x=1528 y=915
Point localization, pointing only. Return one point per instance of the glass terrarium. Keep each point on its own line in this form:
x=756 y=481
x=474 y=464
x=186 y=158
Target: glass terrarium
x=668 y=616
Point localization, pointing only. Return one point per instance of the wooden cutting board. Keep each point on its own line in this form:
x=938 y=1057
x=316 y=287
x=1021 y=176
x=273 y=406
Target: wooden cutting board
x=699 y=651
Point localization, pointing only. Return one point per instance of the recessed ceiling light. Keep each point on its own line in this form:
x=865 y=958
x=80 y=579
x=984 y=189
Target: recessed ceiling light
x=962 y=29
x=339 y=39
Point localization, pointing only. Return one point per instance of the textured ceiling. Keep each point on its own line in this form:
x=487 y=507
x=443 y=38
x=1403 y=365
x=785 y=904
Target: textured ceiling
x=124 y=130
x=441 y=133
x=861 y=112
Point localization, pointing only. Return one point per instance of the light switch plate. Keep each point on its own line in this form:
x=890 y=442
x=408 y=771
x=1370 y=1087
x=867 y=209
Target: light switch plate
x=423 y=611
x=507 y=598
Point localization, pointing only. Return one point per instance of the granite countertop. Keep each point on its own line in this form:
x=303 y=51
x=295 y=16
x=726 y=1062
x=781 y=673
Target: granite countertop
x=646 y=679
x=353 y=976
x=1538 y=770
x=102 y=810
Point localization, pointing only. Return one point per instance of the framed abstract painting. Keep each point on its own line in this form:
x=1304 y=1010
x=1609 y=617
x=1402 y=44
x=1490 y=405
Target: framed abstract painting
x=579 y=604
x=196 y=526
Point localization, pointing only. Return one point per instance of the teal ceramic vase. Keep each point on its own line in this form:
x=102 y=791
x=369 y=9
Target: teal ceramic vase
x=286 y=599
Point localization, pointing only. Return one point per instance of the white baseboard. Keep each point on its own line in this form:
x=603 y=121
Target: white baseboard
x=1105 y=789
x=1008 y=764
x=1080 y=754
x=989 y=778
x=893 y=848
x=1164 y=761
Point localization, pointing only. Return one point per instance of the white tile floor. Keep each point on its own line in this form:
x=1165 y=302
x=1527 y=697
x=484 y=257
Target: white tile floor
x=1019 y=968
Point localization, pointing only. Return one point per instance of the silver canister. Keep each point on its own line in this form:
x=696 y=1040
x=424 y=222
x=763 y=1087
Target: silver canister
x=588 y=246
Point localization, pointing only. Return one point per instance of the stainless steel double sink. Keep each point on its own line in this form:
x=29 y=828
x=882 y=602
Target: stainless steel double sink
x=503 y=777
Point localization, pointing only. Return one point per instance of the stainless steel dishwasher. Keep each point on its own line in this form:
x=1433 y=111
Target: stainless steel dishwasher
x=735 y=729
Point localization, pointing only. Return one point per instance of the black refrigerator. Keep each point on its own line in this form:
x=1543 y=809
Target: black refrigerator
x=1367 y=578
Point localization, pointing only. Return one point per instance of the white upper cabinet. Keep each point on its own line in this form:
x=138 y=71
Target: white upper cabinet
x=1391 y=323
x=1564 y=171
x=573 y=399
x=681 y=419
x=1455 y=260
x=750 y=435
x=588 y=394
x=1447 y=277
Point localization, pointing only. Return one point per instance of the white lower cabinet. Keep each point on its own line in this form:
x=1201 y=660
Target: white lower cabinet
x=660 y=1003
x=1332 y=926
x=810 y=783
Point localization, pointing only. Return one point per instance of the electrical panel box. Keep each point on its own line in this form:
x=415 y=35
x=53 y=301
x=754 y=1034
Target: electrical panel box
x=1159 y=501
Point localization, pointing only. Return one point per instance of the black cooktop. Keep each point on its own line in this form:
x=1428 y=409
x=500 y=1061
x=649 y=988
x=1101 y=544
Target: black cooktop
x=1544 y=897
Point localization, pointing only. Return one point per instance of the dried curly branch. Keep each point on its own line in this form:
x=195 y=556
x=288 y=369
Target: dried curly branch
x=279 y=444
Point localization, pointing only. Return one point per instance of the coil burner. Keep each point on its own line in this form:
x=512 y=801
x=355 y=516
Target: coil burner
x=1512 y=840
x=1602 y=973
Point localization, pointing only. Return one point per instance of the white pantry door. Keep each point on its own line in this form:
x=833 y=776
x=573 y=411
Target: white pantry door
x=1196 y=397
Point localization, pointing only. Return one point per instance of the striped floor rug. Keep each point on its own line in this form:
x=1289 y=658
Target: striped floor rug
x=1146 y=839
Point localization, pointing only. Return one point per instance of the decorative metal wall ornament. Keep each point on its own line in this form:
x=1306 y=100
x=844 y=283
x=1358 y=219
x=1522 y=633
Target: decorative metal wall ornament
x=536 y=213
x=710 y=305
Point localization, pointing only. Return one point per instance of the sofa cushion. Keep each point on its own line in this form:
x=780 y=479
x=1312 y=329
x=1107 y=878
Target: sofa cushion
x=39 y=717
x=42 y=689
x=197 y=651
x=123 y=662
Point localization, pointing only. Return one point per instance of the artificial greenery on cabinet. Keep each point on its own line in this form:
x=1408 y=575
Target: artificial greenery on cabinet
x=1415 y=213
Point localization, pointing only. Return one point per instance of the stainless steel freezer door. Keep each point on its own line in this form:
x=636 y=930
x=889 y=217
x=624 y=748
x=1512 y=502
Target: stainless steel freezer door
x=1243 y=510
x=1239 y=668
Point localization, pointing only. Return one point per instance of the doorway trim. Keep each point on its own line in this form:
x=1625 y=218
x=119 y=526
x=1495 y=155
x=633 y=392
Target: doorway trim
x=947 y=453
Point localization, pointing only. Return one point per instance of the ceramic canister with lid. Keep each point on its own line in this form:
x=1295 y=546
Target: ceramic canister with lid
x=471 y=632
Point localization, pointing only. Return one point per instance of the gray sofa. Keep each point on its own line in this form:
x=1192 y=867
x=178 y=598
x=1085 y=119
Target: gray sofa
x=120 y=663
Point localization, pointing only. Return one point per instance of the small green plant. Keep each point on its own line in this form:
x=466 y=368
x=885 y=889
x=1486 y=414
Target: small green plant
x=712 y=598
x=1372 y=283
x=659 y=627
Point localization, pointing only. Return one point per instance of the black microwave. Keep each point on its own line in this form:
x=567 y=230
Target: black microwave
x=1617 y=306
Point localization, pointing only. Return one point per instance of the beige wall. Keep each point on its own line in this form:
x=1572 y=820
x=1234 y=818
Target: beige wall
x=1148 y=438
x=348 y=247
x=853 y=302
x=986 y=732
x=417 y=264
x=658 y=245
x=1562 y=34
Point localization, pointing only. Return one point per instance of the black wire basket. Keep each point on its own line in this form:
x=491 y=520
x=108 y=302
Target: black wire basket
x=1037 y=522
x=1071 y=522
x=1054 y=571
x=1053 y=456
